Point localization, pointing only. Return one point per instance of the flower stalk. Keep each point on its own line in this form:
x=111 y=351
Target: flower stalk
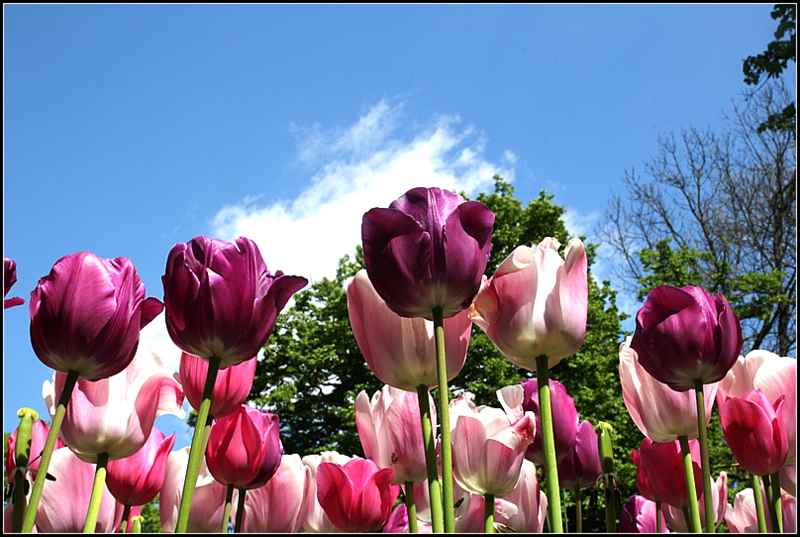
x=488 y=513
x=693 y=521
x=448 y=505
x=705 y=464
x=411 y=508
x=550 y=464
x=772 y=485
x=90 y=526
x=434 y=485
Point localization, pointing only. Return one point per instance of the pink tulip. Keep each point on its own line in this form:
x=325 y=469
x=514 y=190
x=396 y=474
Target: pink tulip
x=530 y=502
x=428 y=250
x=390 y=431
x=755 y=431
x=788 y=479
x=315 y=519
x=115 y=415
x=639 y=516
x=399 y=350
x=775 y=376
x=9 y=279
x=278 y=506
x=358 y=497
x=39 y=432
x=244 y=448
x=581 y=467
x=676 y=520
x=398 y=522
x=87 y=313
x=660 y=474
x=231 y=388
x=137 y=479
x=742 y=517
x=221 y=300
x=488 y=447
x=536 y=303
x=208 y=502
x=661 y=413
x=684 y=335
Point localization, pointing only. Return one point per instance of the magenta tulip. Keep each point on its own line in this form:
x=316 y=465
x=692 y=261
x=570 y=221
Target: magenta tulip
x=244 y=448
x=660 y=474
x=755 y=431
x=137 y=479
x=9 y=279
x=536 y=303
x=399 y=350
x=661 y=413
x=231 y=388
x=684 y=335
x=581 y=467
x=639 y=516
x=220 y=299
x=87 y=313
x=675 y=519
x=398 y=522
x=115 y=415
x=390 y=431
x=428 y=250
x=358 y=497
x=315 y=519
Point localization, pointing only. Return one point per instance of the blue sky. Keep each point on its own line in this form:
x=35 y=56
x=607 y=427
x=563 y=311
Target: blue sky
x=128 y=129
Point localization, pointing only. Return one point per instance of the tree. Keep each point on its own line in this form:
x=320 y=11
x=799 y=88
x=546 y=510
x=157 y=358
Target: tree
x=718 y=211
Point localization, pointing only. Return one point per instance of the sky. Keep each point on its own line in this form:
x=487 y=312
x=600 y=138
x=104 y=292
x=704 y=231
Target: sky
x=130 y=128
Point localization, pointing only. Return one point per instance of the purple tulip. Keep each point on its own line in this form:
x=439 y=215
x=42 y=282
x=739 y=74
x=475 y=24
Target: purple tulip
x=87 y=313
x=684 y=335
x=9 y=279
x=639 y=516
x=581 y=467
x=221 y=300
x=428 y=250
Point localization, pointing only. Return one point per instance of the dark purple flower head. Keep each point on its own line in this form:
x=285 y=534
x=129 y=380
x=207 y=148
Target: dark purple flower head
x=685 y=334
x=581 y=467
x=428 y=250
x=9 y=279
x=565 y=419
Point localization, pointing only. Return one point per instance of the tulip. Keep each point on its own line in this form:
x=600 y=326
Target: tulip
x=137 y=479
x=208 y=500
x=684 y=335
x=530 y=501
x=661 y=413
x=676 y=520
x=9 y=279
x=660 y=475
x=639 y=516
x=358 y=496
x=755 y=432
x=279 y=505
x=581 y=467
x=788 y=478
x=315 y=519
x=231 y=388
x=398 y=522
x=536 y=303
x=399 y=350
x=114 y=416
x=741 y=516
x=220 y=299
x=428 y=250
x=244 y=448
x=87 y=313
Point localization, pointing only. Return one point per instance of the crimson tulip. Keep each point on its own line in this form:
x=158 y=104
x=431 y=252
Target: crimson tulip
x=137 y=479
x=639 y=516
x=581 y=467
x=661 y=413
x=676 y=520
x=316 y=519
x=115 y=415
x=659 y=474
x=244 y=448
x=399 y=350
x=428 y=250
x=221 y=300
x=684 y=335
x=755 y=431
x=9 y=279
x=87 y=313
x=231 y=388
x=536 y=303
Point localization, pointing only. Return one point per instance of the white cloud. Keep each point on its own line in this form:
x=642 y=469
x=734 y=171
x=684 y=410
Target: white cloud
x=360 y=167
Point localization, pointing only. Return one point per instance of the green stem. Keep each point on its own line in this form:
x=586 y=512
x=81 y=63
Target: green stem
x=448 y=501
x=198 y=449
x=411 y=508
x=239 y=526
x=762 y=521
x=578 y=511
x=659 y=529
x=47 y=453
x=550 y=464
x=90 y=526
x=694 y=509
x=434 y=485
x=22 y=455
x=136 y=522
x=226 y=513
x=610 y=480
x=488 y=513
x=708 y=500
x=772 y=485
x=126 y=514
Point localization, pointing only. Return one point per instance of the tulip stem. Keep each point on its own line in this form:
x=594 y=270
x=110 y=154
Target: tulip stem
x=411 y=508
x=239 y=526
x=694 y=510
x=659 y=529
x=772 y=485
x=548 y=441
x=22 y=455
x=434 y=485
x=762 y=521
x=126 y=515
x=488 y=513
x=444 y=423
x=578 y=511
x=47 y=453
x=90 y=526
x=226 y=513
x=198 y=450
x=708 y=501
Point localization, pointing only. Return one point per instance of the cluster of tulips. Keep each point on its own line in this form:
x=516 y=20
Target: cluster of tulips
x=461 y=467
